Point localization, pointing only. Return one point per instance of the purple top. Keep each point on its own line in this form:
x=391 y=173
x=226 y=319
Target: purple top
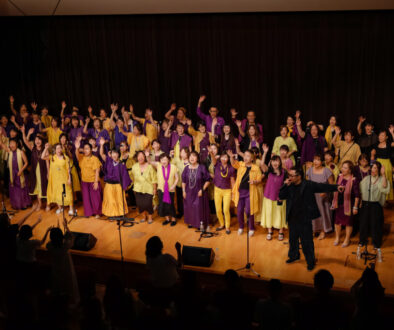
x=359 y=174
x=74 y=132
x=37 y=128
x=119 y=136
x=176 y=122
x=311 y=147
x=164 y=142
x=98 y=135
x=273 y=185
x=184 y=140
x=227 y=145
x=244 y=126
x=208 y=122
x=222 y=176
x=116 y=173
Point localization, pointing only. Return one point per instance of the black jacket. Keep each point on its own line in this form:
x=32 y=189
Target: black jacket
x=308 y=190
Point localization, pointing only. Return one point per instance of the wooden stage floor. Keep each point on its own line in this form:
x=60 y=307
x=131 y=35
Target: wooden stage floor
x=268 y=256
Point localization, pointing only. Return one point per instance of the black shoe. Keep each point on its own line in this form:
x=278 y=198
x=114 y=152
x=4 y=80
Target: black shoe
x=189 y=226
x=166 y=222
x=173 y=223
x=291 y=260
x=219 y=228
x=178 y=216
x=228 y=231
x=310 y=267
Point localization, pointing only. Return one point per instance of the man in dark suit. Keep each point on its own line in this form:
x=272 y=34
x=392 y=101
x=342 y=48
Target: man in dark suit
x=301 y=209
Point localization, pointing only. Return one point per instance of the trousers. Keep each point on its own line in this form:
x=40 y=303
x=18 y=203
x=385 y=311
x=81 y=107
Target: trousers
x=222 y=199
x=371 y=223
x=301 y=231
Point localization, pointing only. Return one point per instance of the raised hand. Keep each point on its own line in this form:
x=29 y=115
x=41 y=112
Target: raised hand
x=361 y=119
x=199 y=194
x=12 y=99
x=102 y=141
x=337 y=130
x=90 y=109
x=173 y=106
x=233 y=112
x=201 y=99
x=189 y=122
x=122 y=109
x=298 y=114
x=265 y=148
x=238 y=123
x=31 y=131
x=87 y=121
x=33 y=105
x=131 y=108
x=298 y=122
x=382 y=171
x=391 y=129
x=47 y=145
x=95 y=185
x=64 y=105
x=23 y=128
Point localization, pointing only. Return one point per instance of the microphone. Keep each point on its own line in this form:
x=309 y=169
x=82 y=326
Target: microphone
x=64 y=189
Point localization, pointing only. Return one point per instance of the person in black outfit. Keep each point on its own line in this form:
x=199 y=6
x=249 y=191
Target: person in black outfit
x=301 y=209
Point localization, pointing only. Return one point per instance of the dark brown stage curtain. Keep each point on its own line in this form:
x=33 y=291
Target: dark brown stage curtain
x=274 y=63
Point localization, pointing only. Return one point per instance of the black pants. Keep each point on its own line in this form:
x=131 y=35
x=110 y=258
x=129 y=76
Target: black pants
x=179 y=202
x=371 y=223
x=301 y=231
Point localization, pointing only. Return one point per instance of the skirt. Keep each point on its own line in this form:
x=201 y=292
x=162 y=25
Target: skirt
x=19 y=197
x=112 y=200
x=144 y=202
x=323 y=223
x=341 y=218
x=388 y=169
x=92 y=199
x=38 y=188
x=165 y=209
x=273 y=215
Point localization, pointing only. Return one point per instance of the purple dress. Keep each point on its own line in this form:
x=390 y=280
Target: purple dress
x=340 y=217
x=196 y=209
x=204 y=144
x=19 y=197
x=164 y=142
x=311 y=147
x=184 y=141
x=324 y=222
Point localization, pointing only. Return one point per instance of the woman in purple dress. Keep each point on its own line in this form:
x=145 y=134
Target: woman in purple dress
x=321 y=174
x=75 y=130
x=195 y=181
x=227 y=140
x=314 y=144
x=163 y=139
x=38 y=175
x=346 y=203
x=17 y=163
x=97 y=131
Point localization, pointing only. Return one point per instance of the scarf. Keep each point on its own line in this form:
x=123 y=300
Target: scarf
x=20 y=165
x=328 y=136
x=146 y=122
x=166 y=194
x=346 y=196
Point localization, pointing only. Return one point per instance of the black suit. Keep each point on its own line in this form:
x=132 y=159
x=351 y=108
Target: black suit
x=302 y=228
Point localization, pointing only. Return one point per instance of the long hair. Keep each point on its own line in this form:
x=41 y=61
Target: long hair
x=231 y=139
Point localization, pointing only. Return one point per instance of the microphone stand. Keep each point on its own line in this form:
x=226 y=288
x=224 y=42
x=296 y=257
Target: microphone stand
x=249 y=265
x=3 y=206
x=205 y=233
x=75 y=213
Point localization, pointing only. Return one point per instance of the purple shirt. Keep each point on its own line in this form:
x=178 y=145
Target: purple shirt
x=116 y=173
x=208 y=122
x=311 y=147
x=273 y=185
x=98 y=135
x=222 y=177
x=259 y=127
x=185 y=141
x=164 y=142
x=74 y=132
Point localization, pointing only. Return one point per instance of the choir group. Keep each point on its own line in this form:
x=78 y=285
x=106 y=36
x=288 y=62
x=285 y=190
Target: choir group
x=195 y=170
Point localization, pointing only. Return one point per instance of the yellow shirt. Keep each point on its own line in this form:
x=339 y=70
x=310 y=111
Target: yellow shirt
x=151 y=130
x=280 y=141
x=255 y=175
x=171 y=179
x=143 y=182
x=88 y=166
x=348 y=151
x=198 y=137
x=53 y=135
x=180 y=165
x=46 y=120
x=137 y=143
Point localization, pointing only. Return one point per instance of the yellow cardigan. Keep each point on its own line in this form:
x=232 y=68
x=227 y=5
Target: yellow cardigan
x=255 y=175
x=328 y=137
x=198 y=136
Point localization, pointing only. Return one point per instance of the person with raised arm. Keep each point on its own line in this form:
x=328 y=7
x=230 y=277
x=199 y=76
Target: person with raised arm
x=150 y=127
x=330 y=132
x=38 y=175
x=105 y=121
x=17 y=164
x=117 y=181
x=301 y=208
x=367 y=138
x=245 y=192
x=213 y=122
x=227 y=140
x=53 y=132
x=97 y=131
x=348 y=149
x=243 y=125
x=179 y=118
x=91 y=189
x=314 y=144
x=136 y=140
x=178 y=139
x=195 y=182
x=284 y=139
x=201 y=138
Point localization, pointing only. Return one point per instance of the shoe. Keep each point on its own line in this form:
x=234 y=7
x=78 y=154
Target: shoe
x=178 y=216
x=269 y=236
x=345 y=244
x=47 y=209
x=143 y=220
x=310 y=267
x=251 y=233
x=358 y=253
x=173 y=223
x=240 y=231
x=58 y=211
x=150 y=221
x=97 y=216
x=281 y=236
x=189 y=226
x=379 y=255
x=336 y=243
x=166 y=222
x=291 y=260
x=219 y=228
x=72 y=212
x=228 y=231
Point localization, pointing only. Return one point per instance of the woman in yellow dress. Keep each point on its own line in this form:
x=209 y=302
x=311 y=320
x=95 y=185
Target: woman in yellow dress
x=59 y=181
x=284 y=139
x=136 y=140
x=67 y=147
x=180 y=162
x=53 y=132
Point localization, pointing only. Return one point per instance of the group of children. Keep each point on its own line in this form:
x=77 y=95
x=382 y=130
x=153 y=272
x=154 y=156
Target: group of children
x=191 y=171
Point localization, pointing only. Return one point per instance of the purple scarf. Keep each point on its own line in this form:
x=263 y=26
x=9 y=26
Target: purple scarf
x=166 y=194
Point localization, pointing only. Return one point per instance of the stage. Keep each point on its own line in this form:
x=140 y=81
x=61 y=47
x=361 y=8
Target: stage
x=268 y=256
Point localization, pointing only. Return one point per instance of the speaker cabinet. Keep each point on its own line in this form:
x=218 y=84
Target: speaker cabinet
x=197 y=256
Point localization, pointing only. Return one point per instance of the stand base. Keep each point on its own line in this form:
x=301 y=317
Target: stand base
x=206 y=234
x=127 y=222
x=365 y=255
x=249 y=267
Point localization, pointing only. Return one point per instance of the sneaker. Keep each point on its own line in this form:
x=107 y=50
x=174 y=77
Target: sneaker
x=269 y=236
x=72 y=212
x=240 y=231
x=97 y=216
x=58 y=211
x=379 y=257
x=251 y=233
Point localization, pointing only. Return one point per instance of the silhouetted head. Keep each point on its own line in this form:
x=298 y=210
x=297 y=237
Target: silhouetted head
x=154 y=246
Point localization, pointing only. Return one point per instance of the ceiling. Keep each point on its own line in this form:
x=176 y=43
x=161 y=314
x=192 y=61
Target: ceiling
x=122 y=7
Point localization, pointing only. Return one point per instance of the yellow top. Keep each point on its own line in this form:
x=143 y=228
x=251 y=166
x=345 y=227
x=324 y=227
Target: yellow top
x=255 y=175
x=280 y=141
x=88 y=166
x=46 y=120
x=53 y=135
x=171 y=179
x=328 y=136
x=143 y=182
x=151 y=130
x=198 y=136
x=348 y=151
x=334 y=169
x=180 y=165
x=59 y=175
x=137 y=143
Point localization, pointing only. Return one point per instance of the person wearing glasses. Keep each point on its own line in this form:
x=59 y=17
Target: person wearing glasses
x=213 y=122
x=300 y=211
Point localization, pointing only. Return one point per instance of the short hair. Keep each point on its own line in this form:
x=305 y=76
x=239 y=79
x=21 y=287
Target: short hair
x=298 y=171
x=89 y=145
x=201 y=123
x=320 y=156
x=187 y=150
x=284 y=147
x=164 y=155
x=282 y=127
x=365 y=157
x=195 y=153
x=139 y=127
x=350 y=164
x=100 y=121
x=153 y=247
x=323 y=280
x=349 y=131
x=156 y=141
x=140 y=152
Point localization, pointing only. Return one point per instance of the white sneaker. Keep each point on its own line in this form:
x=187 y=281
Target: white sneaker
x=251 y=233
x=58 y=211
x=240 y=231
x=72 y=212
x=379 y=255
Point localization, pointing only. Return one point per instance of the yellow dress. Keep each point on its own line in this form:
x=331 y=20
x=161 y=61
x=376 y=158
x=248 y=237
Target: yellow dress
x=137 y=143
x=76 y=184
x=46 y=120
x=280 y=141
x=53 y=135
x=58 y=175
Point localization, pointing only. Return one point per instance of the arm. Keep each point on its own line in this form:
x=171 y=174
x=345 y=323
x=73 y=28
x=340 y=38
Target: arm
x=28 y=143
x=96 y=179
x=202 y=115
x=77 y=146
x=36 y=223
x=179 y=254
x=45 y=235
x=102 y=153
x=238 y=149
x=175 y=181
x=62 y=111
x=361 y=119
x=168 y=114
x=263 y=166
x=85 y=128
x=336 y=139
x=167 y=133
x=240 y=130
x=22 y=221
x=90 y=111
x=12 y=105
x=114 y=107
x=25 y=164
x=299 y=128
x=323 y=187
x=133 y=115
x=284 y=192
